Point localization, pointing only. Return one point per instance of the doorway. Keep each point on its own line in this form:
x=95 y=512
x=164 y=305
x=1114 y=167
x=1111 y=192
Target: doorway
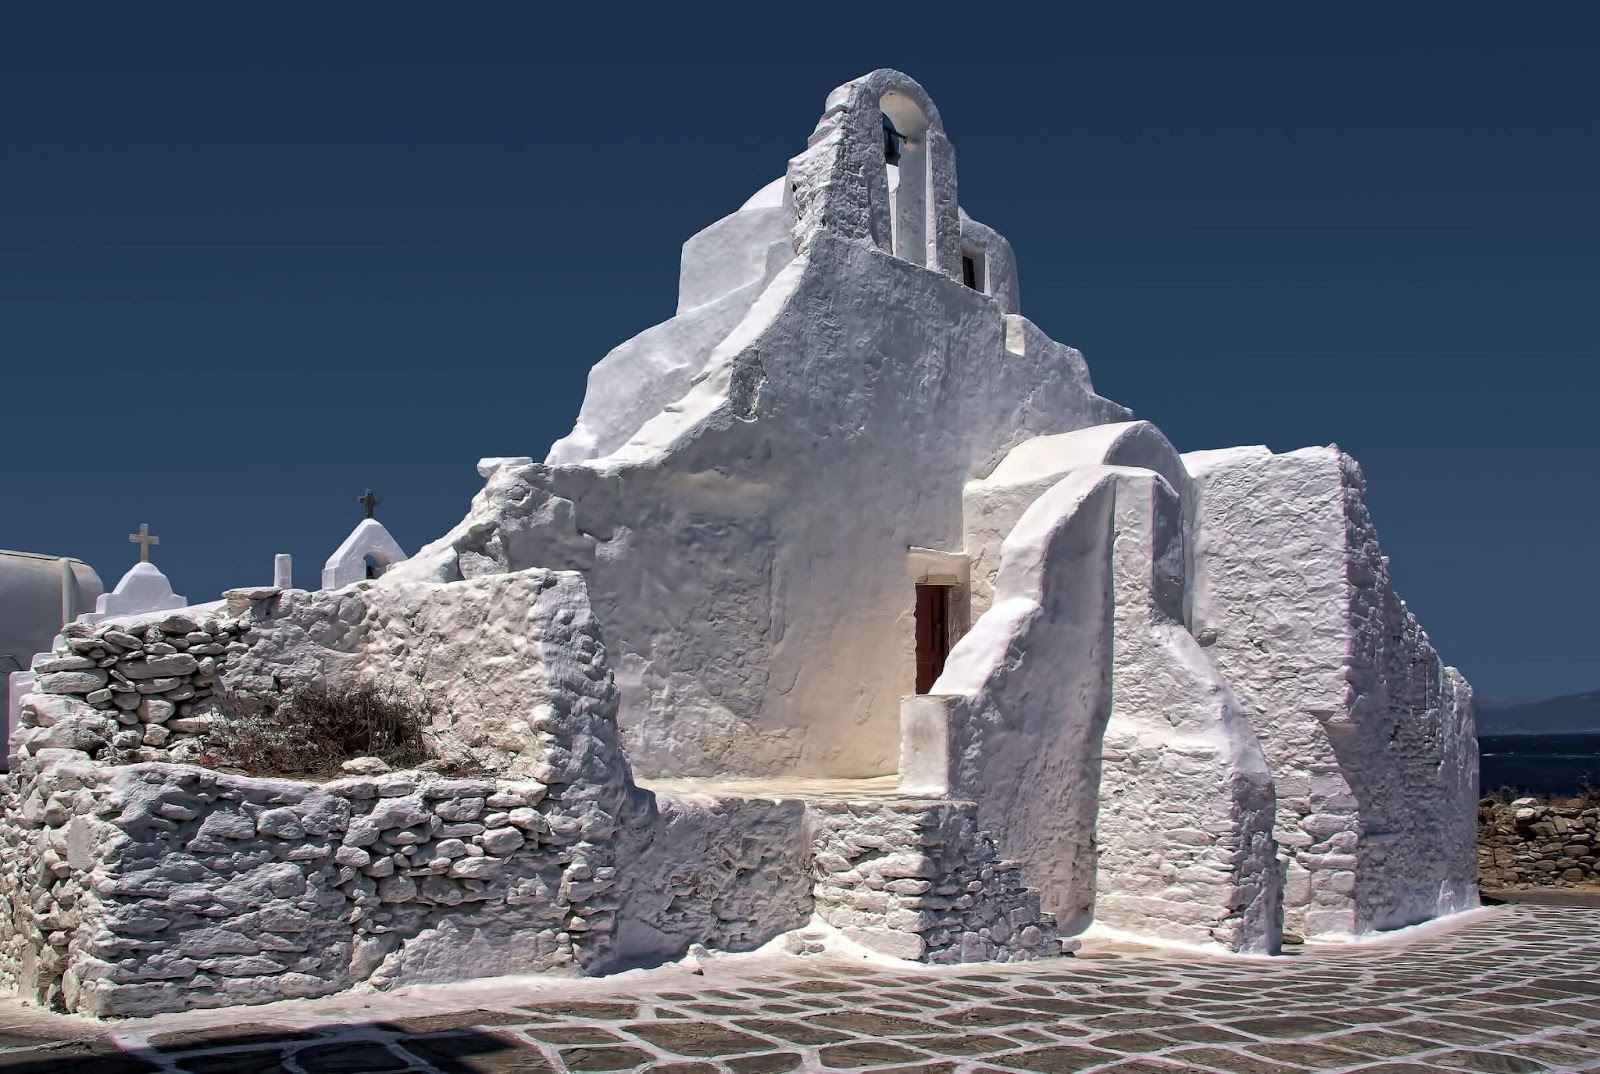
x=933 y=633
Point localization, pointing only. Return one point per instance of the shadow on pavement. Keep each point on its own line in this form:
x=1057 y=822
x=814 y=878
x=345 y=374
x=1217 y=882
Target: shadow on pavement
x=370 y=1048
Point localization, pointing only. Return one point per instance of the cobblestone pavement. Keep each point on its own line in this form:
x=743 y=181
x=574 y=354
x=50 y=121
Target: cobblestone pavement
x=1511 y=989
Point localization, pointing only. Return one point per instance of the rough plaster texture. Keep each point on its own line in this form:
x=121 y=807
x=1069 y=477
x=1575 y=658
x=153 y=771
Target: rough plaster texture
x=1029 y=693
x=753 y=633
x=1134 y=736
x=495 y=662
x=992 y=505
x=727 y=871
x=1369 y=736
x=1184 y=830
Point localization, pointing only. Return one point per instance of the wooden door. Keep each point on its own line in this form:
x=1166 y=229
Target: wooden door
x=933 y=633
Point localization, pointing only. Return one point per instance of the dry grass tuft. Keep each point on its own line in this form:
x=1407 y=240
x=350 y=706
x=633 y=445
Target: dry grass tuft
x=316 y=729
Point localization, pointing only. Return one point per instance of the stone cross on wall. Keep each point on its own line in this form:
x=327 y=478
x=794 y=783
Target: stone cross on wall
x=144 y=540
x=369 y=501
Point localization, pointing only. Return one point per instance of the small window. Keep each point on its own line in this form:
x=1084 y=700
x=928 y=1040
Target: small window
x=972 y=270
x=373 y=568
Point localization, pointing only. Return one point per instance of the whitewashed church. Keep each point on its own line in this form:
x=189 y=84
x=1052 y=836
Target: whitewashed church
x=849 y=599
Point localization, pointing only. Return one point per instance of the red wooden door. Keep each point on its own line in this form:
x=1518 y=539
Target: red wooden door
x=933 y=633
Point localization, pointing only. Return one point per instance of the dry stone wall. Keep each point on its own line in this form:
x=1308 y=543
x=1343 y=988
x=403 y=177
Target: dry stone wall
x=1529 y=842
x=138 y=689
x=919 y=880
x=154 y=887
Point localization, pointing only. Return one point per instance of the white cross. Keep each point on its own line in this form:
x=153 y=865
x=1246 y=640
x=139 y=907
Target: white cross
x=144 y=541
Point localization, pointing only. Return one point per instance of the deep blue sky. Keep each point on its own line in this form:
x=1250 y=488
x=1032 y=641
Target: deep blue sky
x=250 y=267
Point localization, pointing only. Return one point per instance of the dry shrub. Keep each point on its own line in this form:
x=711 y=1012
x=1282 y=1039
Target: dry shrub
x=317 y=728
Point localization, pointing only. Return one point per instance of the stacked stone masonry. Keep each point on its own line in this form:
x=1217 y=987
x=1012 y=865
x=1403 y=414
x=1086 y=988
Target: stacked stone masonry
x=919 y=880
x=130 y=690
x=155 y=887
x=1529 y=842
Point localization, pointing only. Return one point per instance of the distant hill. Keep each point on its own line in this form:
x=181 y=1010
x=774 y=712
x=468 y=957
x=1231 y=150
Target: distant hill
x=1569 y=715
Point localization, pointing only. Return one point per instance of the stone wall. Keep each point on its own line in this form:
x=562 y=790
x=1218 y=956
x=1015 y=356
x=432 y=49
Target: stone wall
x=1529 y=842
x=728 y=872
x=155 y=887
x=1368 y=735
x=496 y=663
x=134 y=689
x=920 y=880
x=138 y=886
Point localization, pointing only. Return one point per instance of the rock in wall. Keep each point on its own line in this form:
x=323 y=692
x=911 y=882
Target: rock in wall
x=179 y=887
x=1369 y=736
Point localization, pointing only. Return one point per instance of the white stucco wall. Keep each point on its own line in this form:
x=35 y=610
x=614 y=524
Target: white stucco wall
x=1028 y=693
x=1183 y=828
x=725 y=268
x=143 y=589
x=1369 y=736
x=746 y=547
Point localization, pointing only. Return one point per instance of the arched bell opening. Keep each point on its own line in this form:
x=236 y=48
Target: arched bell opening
x=905 y=155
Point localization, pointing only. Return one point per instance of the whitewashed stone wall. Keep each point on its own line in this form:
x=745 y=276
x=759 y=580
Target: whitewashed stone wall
x=920 y=880
x=141 y=688
x=1184 y=829
x=725 y=871
x=154 y=887
x=1026 y=694
x=511 y=667
x=1100 y=744
x=1369 y=736
x=137 y=886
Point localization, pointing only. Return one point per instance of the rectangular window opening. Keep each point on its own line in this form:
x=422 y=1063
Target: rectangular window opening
x=972 y=270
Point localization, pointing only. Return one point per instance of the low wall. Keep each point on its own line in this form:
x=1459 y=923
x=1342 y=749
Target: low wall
x=919 y=880
x=155 y=887
x=1529 y=842
x=135 y=689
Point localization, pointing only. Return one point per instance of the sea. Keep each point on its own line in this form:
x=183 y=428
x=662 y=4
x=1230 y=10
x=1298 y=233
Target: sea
x=1547 y=765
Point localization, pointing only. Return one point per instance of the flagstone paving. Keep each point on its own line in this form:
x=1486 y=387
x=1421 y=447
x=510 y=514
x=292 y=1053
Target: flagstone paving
x=1511 y=990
